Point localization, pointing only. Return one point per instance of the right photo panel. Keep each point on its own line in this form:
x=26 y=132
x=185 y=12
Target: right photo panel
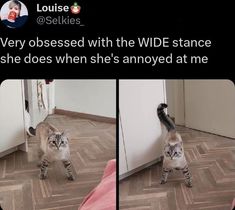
x=176 y=144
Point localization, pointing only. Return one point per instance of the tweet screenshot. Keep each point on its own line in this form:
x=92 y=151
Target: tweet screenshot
x=118 y=39
x=116 y=104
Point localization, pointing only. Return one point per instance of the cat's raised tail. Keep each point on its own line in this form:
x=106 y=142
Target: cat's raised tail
x=31 y=131
x=164 y=119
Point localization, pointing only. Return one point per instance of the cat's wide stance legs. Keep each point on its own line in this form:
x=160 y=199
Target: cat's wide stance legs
x=68 y=167
x=44 y=168
x=188 y=176
x=186 y=173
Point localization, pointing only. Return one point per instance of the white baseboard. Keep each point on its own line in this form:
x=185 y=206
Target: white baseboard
x=9 y=151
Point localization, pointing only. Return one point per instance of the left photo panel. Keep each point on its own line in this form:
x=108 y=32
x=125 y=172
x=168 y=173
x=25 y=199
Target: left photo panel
x=58 y=144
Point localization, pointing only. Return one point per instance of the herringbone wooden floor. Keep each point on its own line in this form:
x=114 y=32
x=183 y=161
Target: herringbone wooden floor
x=92 y=145
x=211 y=159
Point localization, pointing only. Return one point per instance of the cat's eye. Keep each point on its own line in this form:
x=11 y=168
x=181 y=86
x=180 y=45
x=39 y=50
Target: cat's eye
x=53 y=142
x=62 y=142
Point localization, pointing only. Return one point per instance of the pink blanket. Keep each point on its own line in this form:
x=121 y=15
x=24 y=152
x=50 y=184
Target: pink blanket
x=233 y=205
x=103 y=197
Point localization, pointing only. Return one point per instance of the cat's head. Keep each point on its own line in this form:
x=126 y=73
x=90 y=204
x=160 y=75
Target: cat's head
x=173 y=151
x=174 y=147
x=58 y=140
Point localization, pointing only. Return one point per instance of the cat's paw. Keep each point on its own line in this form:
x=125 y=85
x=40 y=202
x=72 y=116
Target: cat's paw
x=39 y=164
x=188 y=184
x=42 y=176
x=163 y=182
x=71 y=178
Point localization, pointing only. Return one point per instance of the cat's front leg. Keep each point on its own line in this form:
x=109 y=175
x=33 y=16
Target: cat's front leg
x=40 y=154
x=44 y=168
x=188 y=176
x=165 y=172
x=68 y=167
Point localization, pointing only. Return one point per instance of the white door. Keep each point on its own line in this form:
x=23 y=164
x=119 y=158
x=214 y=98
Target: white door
x=123 y=168
x=138 y=102
x=210 y=106
x=38 y=101
x=12 y=130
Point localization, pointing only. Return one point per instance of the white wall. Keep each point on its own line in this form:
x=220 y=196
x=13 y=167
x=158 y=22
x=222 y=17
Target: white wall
x=175 y=100
x=210 y=106
x=97 y=97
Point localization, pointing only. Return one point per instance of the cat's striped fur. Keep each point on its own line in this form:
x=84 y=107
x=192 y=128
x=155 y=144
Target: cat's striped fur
x=53 y=147
x=174 y=157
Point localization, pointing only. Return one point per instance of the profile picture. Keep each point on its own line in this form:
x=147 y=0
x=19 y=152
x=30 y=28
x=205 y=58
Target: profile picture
x=14 y=14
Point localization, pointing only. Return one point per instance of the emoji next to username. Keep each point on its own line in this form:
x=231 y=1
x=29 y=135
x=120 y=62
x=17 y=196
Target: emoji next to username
x=13 y=17
x=75 y=8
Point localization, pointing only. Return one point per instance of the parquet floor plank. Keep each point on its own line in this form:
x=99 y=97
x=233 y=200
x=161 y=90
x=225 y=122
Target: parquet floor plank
x=211 y=160
x=92 y=145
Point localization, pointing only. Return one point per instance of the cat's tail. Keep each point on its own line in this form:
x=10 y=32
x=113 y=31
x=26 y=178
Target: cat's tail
x=165 y=119
x=31 y=131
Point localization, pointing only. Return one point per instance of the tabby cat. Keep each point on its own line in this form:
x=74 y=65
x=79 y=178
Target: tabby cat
x=53 y=146
x=174 y=157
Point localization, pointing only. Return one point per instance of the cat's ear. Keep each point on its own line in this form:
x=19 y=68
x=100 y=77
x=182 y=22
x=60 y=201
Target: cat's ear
x=50 y=132
x=66 y=133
